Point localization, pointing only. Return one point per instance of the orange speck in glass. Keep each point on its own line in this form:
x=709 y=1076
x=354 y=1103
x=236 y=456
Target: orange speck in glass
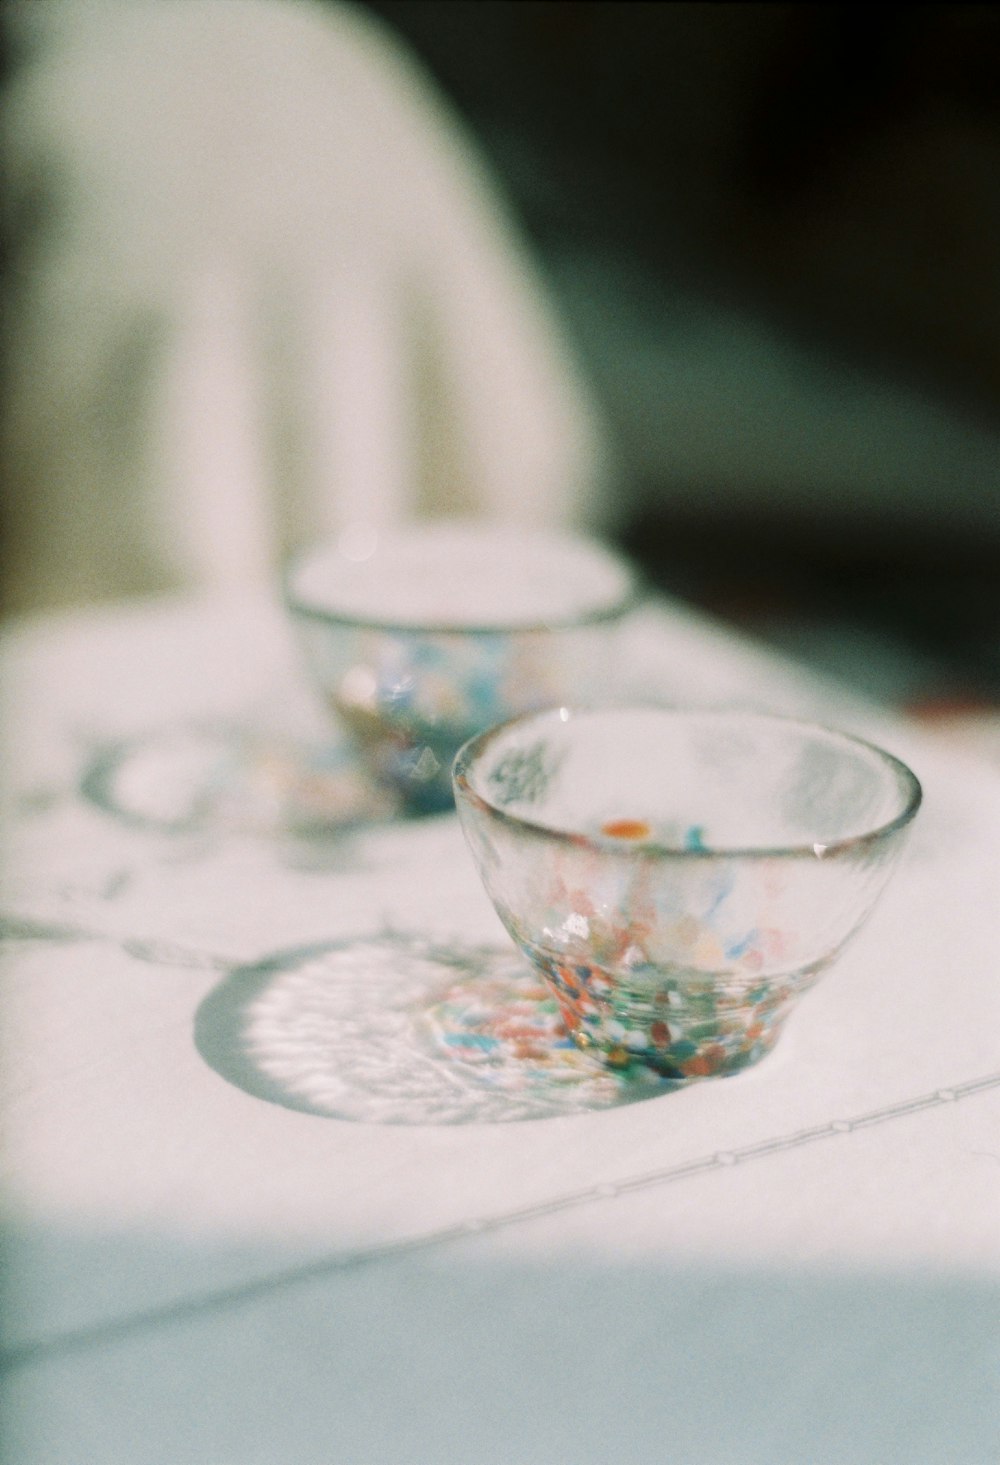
x=626 y=829
x=704 y=1064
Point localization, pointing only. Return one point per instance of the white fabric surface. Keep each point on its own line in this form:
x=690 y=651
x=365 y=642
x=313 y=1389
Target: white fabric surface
x=801 y=1263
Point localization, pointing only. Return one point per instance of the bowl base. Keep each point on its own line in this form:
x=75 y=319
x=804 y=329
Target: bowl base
x=684 y=1026
x=712 y=1061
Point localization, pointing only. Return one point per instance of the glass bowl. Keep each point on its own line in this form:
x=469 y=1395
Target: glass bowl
x=680 y=878
x=419 y=637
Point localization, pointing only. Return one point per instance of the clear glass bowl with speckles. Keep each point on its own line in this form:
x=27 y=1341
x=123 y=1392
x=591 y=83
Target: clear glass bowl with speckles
x=422 y=635
x=680 y=878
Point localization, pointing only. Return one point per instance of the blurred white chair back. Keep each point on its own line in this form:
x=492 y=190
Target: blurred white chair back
x=265 y=290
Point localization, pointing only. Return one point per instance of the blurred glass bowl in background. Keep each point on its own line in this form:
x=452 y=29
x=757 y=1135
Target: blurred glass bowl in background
x=419 y=637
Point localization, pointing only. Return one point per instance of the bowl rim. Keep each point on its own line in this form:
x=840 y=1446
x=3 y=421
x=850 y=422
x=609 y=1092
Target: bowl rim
x=632 y=595
x=474 y=747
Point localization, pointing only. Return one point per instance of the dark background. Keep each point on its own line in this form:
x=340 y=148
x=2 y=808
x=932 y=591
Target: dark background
x=773 y=234
x=831 y=171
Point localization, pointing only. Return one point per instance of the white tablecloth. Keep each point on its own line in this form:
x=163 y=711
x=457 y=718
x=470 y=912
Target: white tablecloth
x=798 y=1264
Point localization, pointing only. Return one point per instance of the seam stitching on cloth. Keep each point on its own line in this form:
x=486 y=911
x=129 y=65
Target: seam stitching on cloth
x=192 y=1308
